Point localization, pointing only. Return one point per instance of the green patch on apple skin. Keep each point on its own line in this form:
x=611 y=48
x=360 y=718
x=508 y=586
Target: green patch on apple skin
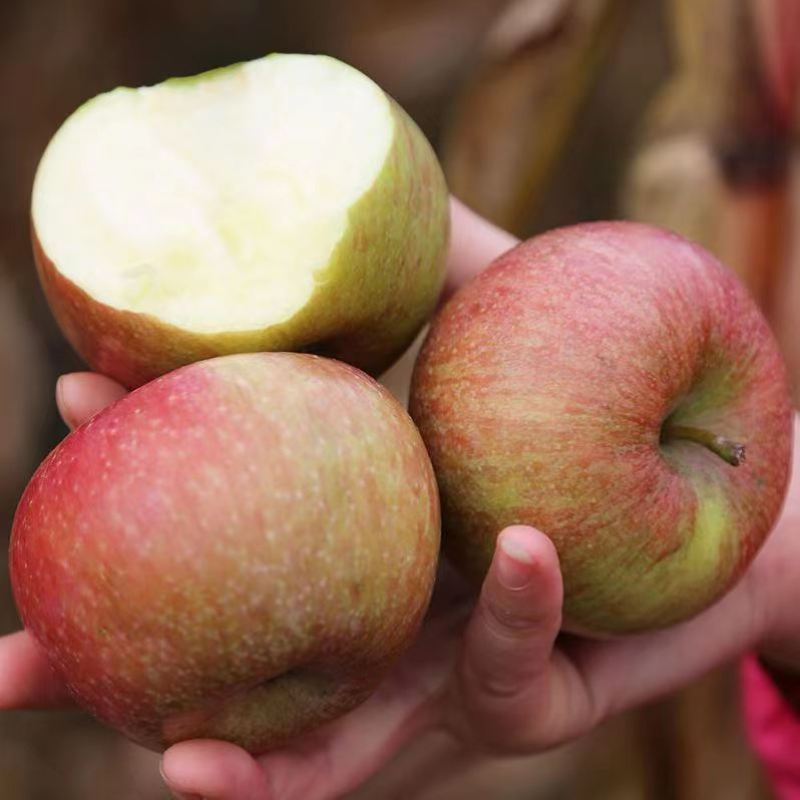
x=701 y=554
x=704 y=404
x=668 y=589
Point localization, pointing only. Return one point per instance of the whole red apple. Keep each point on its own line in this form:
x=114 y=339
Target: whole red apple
x=238 y=550
x=616 y=387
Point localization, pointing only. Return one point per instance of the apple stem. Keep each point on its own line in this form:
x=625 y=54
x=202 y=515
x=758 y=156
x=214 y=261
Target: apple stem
x=727 y=450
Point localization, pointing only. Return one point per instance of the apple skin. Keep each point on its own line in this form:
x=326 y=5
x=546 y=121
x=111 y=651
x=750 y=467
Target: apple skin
x=541 y=392
x=381 y=285
x=238 y=550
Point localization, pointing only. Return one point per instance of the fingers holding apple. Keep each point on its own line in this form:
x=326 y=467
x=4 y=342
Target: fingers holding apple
x=81 y=395
x=507 y=695
x=214 y=769
x=242 y=548
x=286 y=203
x=29 y=680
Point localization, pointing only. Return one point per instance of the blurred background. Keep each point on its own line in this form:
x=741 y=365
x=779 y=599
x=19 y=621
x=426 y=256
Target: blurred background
x=544 y=112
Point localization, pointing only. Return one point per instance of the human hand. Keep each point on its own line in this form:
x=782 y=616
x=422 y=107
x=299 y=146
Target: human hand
x=492 y=677
x=490 y=674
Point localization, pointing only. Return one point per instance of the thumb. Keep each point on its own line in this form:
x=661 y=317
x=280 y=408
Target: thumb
x=508 y=674
x=213 y=770
x=81 y=395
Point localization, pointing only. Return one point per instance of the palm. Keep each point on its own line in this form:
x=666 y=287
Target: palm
x=346 y=752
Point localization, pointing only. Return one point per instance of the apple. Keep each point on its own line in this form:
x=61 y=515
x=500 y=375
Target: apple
x=238 y=550
x=285 y=203
x=614 y=386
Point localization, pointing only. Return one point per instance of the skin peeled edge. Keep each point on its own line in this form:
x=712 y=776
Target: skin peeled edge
x=600 y=383
x=238 y=550
x=190 y=238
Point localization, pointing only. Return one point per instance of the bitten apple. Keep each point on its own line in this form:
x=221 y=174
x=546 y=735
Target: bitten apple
x=238 y=550
x=281 y=204
x=616 y=387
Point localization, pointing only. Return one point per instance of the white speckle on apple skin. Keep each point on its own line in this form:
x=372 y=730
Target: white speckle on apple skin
x=238 y=520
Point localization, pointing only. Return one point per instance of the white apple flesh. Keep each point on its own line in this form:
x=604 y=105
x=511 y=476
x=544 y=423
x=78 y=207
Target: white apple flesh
x=281 y=204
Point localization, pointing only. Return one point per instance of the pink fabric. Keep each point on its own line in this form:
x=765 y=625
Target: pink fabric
x=773 y=728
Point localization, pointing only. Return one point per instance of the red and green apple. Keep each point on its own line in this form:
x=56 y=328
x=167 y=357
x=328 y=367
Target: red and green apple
x=616 y=387
x=285 y=203
x=238 y=550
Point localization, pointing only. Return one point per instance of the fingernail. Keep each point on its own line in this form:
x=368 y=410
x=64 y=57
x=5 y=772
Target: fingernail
x=516 y=560
x=60 y=389
x=174 y=792
x=60 y=401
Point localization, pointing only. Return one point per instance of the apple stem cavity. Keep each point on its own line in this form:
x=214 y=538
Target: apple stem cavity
x=731 y=452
